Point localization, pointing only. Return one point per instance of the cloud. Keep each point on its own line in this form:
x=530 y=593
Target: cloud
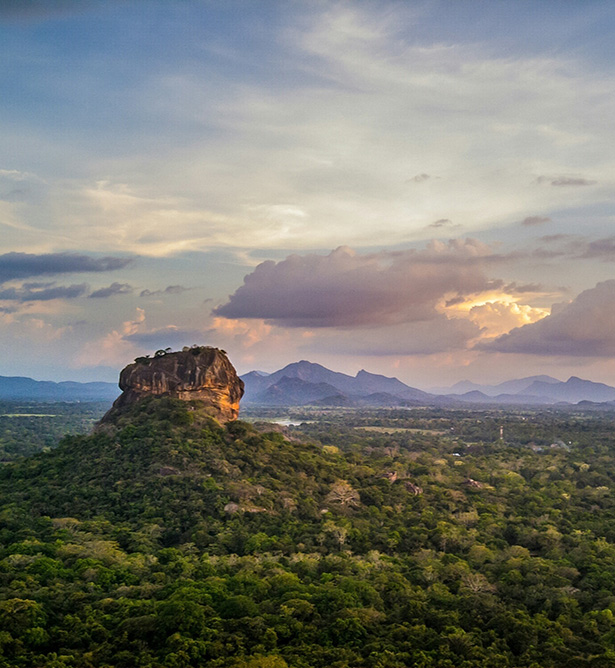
x=34 y=292
x=603 y=249
x=345 y=289
x=577 y=247
x=523 y=288
x=314 y=164
x=113 y=289
x=566 y=181
x=443 y=222
x=496 y=318
x=535 y=220
x=169 y=290
x=585 y=327
x=24 y=265
x=572 y=181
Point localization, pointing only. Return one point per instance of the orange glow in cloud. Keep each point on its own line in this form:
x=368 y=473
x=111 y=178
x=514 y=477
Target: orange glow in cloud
x=495 y=312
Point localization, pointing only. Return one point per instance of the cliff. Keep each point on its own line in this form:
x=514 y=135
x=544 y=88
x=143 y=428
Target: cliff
x=200 y=373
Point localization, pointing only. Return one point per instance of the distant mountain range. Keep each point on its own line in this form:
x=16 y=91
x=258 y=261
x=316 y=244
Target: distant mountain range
x=306 y=383
x=303 y=383
x=27 y=389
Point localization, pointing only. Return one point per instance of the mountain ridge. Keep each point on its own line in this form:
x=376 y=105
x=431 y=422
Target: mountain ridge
x=338 y=388
x=24 y=388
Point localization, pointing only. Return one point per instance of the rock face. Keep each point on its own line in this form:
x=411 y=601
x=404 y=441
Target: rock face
x=200 y=373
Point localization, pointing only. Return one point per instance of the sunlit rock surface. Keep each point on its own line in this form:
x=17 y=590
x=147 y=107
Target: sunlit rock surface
x=199 y=373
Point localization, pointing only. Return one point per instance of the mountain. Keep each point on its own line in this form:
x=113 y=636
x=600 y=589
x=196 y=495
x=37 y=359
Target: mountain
x=573 y=390
x=375 y=383
x=523 y=384
x=536 y=390
x=296 y=392
x=314 y=382
x=477 y=397
x=303 y=370
x=507 y=387
x=27 y=389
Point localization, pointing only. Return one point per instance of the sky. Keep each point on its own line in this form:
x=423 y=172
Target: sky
x=423 y=189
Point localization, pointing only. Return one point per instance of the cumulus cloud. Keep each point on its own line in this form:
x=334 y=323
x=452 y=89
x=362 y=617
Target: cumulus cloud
x=535 y=220
x=585 y=327
x=42 y=292
x=345 y=289
x=24 y=265
x=496 y=318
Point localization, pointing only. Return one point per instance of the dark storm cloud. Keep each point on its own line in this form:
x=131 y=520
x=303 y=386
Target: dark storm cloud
x=344 y=289
x=169 y=290
x=28 y=293
x=535 y=220
x=584 y=327
x=24 y=265
x=113 y=289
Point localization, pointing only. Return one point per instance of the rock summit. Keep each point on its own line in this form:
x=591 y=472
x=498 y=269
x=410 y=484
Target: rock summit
x=197 y=373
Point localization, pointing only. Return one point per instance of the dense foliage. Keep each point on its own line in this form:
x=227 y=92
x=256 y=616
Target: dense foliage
x=397 y=538
x=30 y=427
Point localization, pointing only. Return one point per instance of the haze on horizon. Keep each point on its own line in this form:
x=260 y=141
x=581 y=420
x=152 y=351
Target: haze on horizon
x=421 y=189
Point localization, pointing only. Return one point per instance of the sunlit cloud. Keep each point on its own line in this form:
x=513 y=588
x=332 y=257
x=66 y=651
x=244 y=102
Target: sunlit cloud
x=584 y=327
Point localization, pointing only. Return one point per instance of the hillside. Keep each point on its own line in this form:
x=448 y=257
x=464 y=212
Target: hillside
x=166 y=539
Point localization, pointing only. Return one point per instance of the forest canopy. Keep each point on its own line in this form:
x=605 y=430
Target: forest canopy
x=382 y=539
